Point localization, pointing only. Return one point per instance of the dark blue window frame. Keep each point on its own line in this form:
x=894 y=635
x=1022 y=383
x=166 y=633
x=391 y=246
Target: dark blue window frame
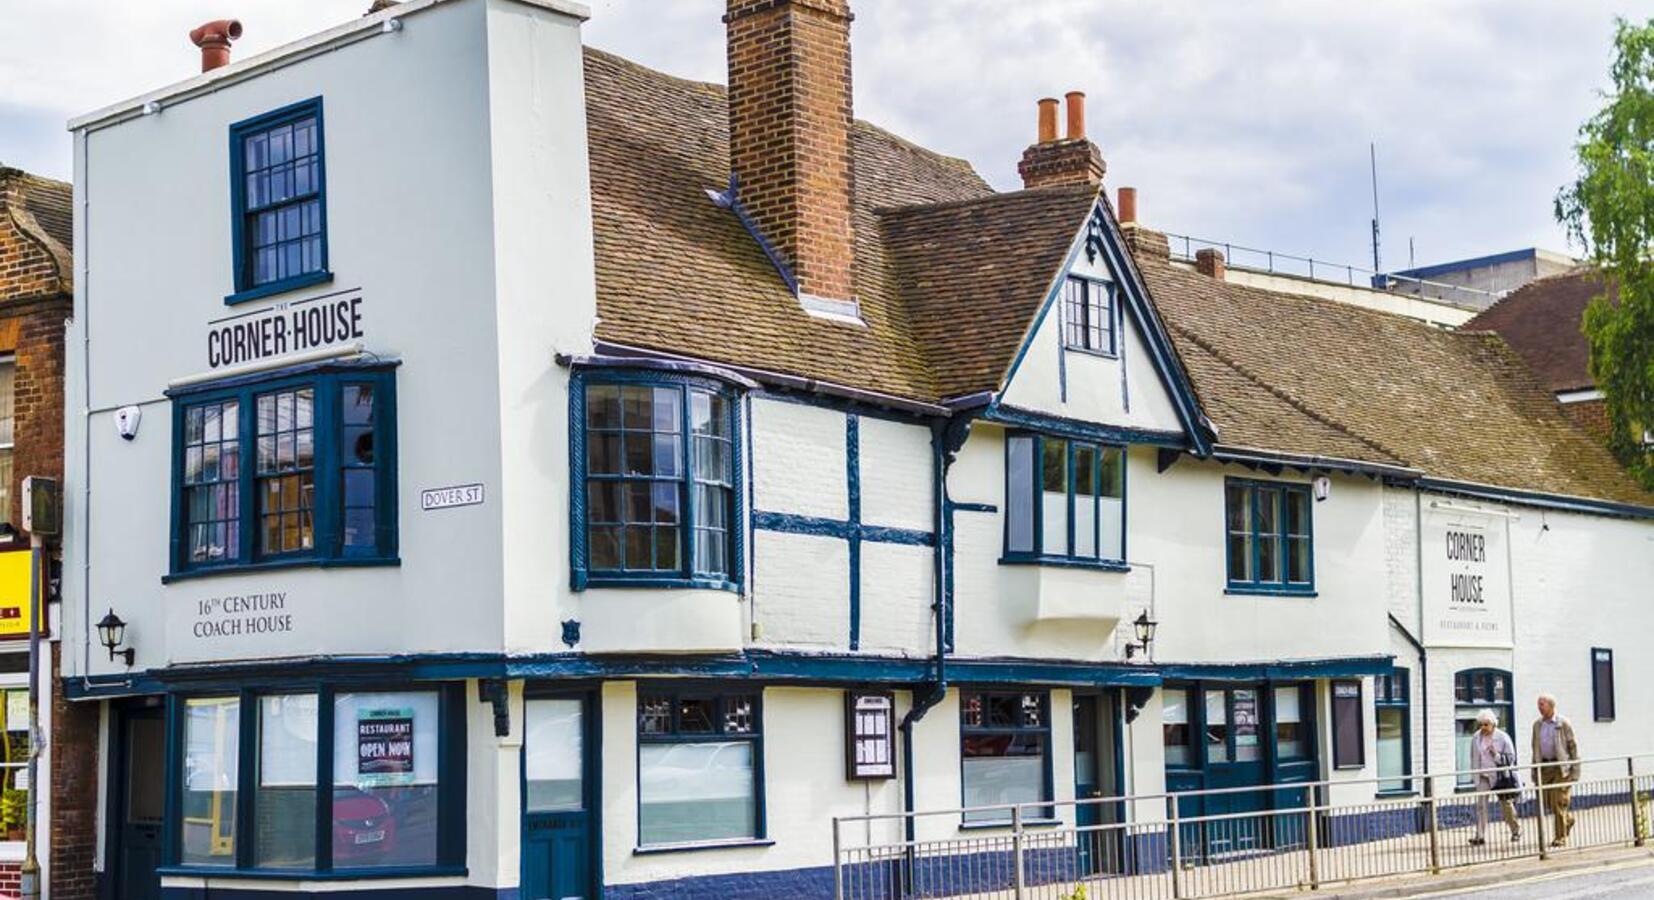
x=1602 y=684
x=451 y=784
x=245 y=206
x=1483 y=688
x=1254 y=495
x=1394 y=692
x=1034 y=552
x=1043 y=810
x=329 y=384
x=651 y=730
x=1090 y=317
x=691 y=525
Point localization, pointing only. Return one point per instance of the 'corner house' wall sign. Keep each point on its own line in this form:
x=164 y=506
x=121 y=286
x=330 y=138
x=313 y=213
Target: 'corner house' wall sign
x=284 y=329
x=1466 y=580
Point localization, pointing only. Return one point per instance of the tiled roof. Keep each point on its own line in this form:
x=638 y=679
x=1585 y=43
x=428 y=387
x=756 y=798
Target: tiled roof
x=1303 y=375
x=677 y=273
x=949 y=276
x=51 y=203
x=43 y=209
x=1541 y=321
x=974 y=273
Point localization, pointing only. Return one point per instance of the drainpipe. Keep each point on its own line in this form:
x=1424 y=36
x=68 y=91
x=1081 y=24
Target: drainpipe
x=1424 y=663
x=946 y=437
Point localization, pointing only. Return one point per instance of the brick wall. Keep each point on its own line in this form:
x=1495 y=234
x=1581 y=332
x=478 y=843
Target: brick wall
x=35 y=299
x=37 y=390
x=789 y=133
x=74 y=784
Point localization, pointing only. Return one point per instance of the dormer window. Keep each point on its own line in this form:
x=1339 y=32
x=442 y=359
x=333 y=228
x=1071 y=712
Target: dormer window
x=1088 y=316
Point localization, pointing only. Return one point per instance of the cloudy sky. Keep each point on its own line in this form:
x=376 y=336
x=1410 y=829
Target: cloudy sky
x=1247 y=122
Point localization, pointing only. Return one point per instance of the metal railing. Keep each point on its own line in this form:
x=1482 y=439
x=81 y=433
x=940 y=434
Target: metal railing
x=1183 y=247
x=1218 y=842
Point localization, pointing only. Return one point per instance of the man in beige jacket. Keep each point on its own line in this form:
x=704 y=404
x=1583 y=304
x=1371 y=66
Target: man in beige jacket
x=1556 y=755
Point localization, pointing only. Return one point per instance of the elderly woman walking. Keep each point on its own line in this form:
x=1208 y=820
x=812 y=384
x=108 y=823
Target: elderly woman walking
x=1491 y=748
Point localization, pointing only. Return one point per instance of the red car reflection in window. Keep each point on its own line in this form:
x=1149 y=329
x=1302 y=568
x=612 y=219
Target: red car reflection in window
x=363 y=830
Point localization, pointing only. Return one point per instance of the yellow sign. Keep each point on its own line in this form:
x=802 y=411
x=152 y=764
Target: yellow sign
x=14 y=594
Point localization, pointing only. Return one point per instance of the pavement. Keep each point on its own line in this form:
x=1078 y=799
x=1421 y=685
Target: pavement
x=1610 y=874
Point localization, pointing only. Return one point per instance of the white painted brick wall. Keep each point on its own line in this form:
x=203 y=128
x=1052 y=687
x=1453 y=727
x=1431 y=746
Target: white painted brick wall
x=798 y=459
x=896 y=598
x=801 y=590
x=895 y=474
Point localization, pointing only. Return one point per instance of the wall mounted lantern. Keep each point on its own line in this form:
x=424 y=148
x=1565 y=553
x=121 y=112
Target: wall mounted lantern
x=112 y=633
x=1144 y=627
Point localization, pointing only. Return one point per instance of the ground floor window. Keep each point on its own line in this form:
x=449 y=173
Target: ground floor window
x=1348 y=728
x=14 y=742
x=1473 y=691
x=1391 y=703
x=699 y=766
x=383 y=768
x=1005 y=745
x=1174 y=729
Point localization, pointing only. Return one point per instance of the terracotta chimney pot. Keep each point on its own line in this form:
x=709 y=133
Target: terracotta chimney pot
x=1076 y=115
x=214 y=40
x=1126 y=209
x=1047 y=120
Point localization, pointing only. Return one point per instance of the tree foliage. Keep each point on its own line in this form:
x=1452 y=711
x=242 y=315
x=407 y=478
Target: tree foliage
x=1609 y=209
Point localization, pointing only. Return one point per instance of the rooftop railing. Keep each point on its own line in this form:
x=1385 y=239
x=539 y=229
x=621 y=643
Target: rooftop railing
x=1184 y=247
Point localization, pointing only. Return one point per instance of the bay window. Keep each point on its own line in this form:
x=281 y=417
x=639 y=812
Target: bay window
x=331 y=780
x=1005 y=749
x=295 y=469
x=656 y=498
x=1064 y=501
x=699 y=766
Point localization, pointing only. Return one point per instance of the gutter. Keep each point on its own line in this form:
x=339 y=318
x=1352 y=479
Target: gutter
x=1255 y=456
x=790 y=382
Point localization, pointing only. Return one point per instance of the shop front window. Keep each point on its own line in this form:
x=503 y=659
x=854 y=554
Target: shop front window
x=1005 y=745
x=1390 y=701
x=212 y=742
x=698 y=767
x=1174 y=728
x=377 y=765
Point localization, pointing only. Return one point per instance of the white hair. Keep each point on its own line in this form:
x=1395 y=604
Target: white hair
x=1487 y=716
x=1547 y=698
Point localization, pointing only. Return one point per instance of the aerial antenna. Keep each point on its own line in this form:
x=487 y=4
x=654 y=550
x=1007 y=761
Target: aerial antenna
x=1372 y=152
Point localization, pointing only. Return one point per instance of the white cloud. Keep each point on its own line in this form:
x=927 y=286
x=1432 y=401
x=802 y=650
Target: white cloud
x=1246 y=122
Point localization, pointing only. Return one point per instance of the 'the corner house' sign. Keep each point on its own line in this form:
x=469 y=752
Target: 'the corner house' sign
x=1466 y=571
x=285 y=329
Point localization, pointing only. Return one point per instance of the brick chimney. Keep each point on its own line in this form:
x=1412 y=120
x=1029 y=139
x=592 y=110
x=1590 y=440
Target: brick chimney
x=789 y=134
x=1209 y=262
x=1072 y=159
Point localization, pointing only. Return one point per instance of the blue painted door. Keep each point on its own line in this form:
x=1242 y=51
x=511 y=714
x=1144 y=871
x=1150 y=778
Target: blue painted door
x=559 y=800
x=1095 y=753
x=140 y=776
x=1235 y=757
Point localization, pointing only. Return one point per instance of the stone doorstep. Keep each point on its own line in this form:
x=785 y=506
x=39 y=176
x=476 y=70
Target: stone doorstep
x=1469 y=877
